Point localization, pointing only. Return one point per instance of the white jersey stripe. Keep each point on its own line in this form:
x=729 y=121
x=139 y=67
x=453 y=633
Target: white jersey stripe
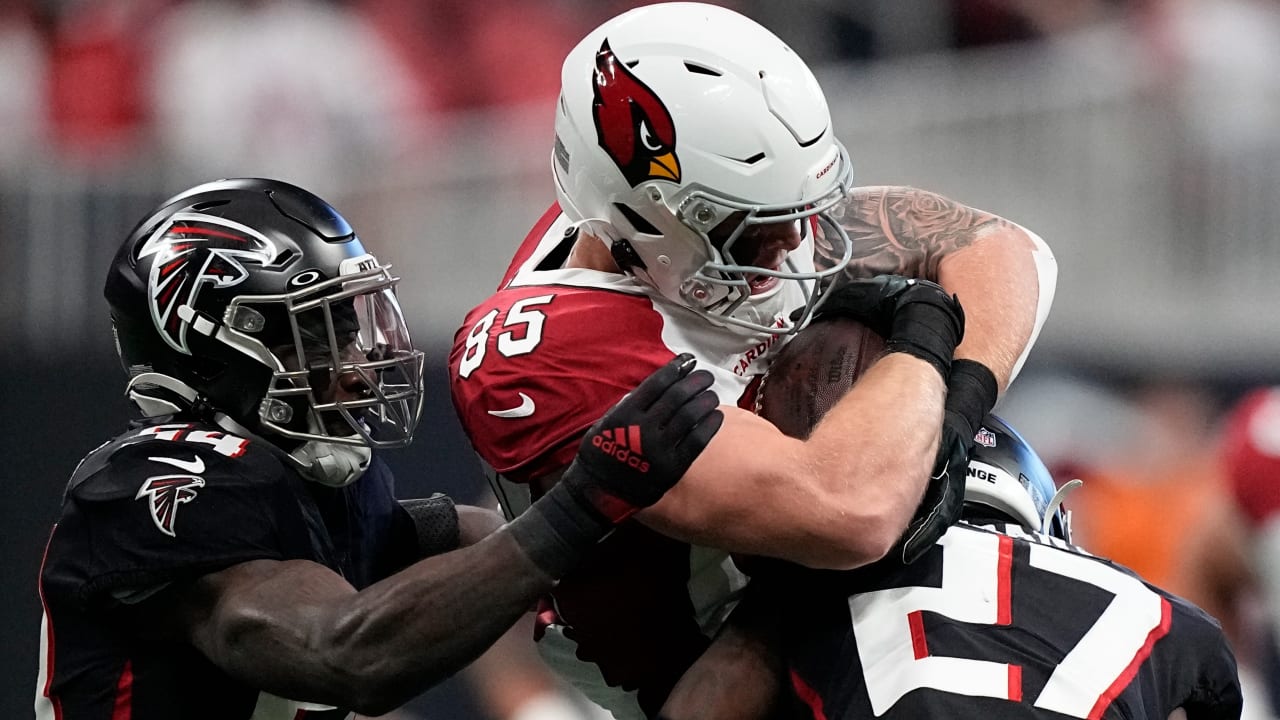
x=44 y=706
x=274 y=707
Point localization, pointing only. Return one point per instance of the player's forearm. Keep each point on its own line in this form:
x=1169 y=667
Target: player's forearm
x=413 y=630
x=299 y=631
x=743 y=674
x=873 y=453
x=840 y=499
x=739 y=677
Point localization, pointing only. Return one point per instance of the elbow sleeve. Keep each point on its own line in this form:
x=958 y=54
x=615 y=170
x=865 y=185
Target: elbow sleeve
x=1047 y=276
x=435 y=521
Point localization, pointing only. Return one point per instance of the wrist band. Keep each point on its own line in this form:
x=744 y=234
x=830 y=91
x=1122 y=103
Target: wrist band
x=557 y=531
x=971 y=393
x=926 y=331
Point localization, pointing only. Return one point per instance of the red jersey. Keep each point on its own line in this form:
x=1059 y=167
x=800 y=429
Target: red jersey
x=1251 y=454
x=532 y=367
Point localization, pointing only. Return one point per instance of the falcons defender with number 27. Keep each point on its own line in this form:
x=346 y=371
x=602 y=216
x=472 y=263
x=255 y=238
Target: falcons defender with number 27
x=1004 y=619
x=704 y=206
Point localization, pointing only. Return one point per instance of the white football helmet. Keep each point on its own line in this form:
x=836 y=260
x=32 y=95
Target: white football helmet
x=681 y=128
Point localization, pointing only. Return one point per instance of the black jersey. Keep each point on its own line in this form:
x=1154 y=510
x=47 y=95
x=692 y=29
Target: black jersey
x=165 y=503
x=1003 y=625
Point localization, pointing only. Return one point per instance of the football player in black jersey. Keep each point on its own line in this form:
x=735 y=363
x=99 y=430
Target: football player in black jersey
x=1003 y=619
x=238 y=552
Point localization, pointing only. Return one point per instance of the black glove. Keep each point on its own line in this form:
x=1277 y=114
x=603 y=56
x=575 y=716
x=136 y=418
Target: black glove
x=626 y=462
x=646 y=442
x=914 y=316
x=971 y=393
x=943 y=498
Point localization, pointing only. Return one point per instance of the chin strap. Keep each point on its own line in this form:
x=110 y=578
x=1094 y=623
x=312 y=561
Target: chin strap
x=322 y=462
x=1056 y=502
x=330 y=464
x=156 y=395
x=148 y=390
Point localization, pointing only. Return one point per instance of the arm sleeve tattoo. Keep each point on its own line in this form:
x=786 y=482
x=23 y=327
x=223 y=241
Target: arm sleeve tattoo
x=904 y=231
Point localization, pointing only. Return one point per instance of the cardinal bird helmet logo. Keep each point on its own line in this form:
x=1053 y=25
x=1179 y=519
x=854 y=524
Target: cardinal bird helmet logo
x=632 y=124
x=193 y=250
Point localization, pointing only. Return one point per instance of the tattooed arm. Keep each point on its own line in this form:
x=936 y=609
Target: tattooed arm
x=1003 y=273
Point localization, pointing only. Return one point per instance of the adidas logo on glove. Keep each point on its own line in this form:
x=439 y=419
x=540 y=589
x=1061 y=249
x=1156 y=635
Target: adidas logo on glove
x=623 y=444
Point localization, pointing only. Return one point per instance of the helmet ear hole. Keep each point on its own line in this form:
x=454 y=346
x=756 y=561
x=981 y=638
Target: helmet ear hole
x=201 y=207
x=625 y=255
x=642 y=226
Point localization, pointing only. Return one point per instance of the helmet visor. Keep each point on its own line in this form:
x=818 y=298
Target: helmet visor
x=352 y=368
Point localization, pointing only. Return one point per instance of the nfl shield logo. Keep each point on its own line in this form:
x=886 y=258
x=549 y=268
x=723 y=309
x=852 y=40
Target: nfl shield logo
x=985 y=438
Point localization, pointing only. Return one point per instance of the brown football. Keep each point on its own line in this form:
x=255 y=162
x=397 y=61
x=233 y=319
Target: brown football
x=815 y=368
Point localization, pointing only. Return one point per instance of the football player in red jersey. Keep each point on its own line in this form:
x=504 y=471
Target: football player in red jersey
x=238 y=552
x=705 y=206
x=1249 y=448
x=1002 y=619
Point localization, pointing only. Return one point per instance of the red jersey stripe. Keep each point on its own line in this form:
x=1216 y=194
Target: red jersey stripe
x=1131 y=671
x=122 y=709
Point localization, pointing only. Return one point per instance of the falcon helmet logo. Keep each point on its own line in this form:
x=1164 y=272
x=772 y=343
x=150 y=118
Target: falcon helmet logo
x=193 y=250
x=164 y=494
x=632 y=125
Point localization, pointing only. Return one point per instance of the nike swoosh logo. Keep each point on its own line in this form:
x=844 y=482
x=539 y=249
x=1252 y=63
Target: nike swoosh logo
x=194 y=466
x=524 y=409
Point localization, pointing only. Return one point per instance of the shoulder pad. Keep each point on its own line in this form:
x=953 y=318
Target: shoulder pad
x=521 y=382
x=196 y=450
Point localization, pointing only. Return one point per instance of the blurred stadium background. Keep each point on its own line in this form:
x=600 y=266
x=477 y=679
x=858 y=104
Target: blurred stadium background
x=1140 y=138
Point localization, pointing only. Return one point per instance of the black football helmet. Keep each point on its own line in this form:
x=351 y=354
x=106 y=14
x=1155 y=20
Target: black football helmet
x=1006 y=475
x=256 y=296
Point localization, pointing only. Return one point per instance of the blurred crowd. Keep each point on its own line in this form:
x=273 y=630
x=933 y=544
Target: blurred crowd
x=303 y=86
x=101 y=81
x=1181 y=484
